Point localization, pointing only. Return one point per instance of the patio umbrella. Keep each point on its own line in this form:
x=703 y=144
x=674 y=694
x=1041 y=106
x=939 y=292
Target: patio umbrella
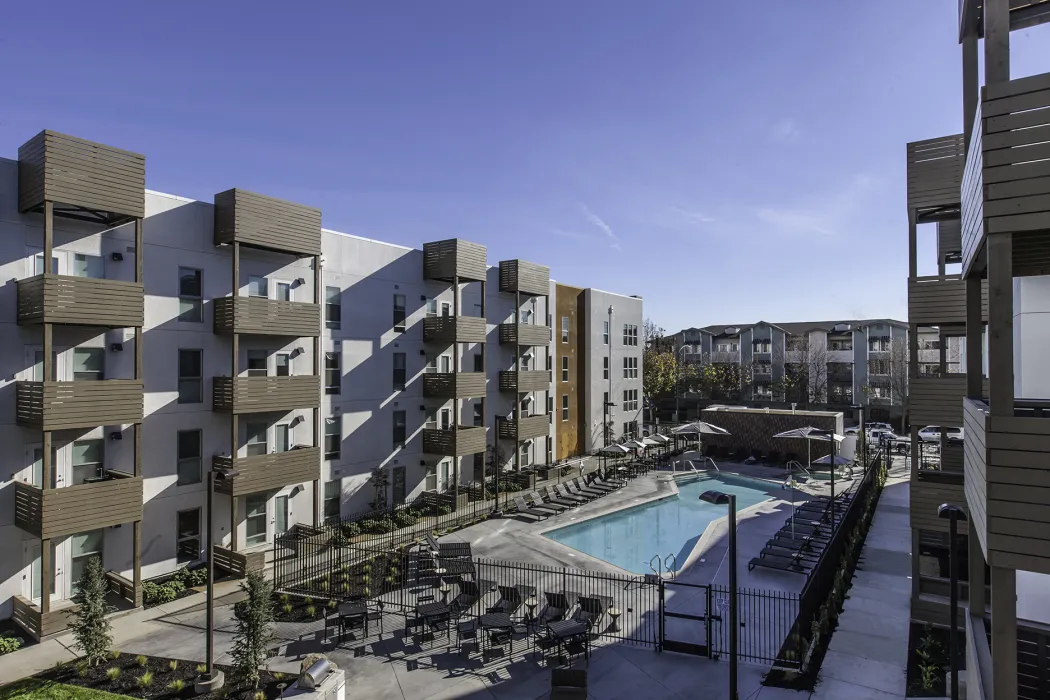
x=635 y=445
x=809 y=433
x=614 y=449
x=699 y=428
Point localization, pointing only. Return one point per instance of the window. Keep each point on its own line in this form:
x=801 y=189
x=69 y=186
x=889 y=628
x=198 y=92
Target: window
x=399 y=429
x=333 y=437
x=282 y=437
x=332 y=493
x=836 y=344
x=479 y=362
x=796 y=342
x=190 y=377
x=630 y=334
x=605 y=332
x=256 y=363
x=630 y=367
x=630 y=400
x=188 y=536
x=188 y=451
x=284 y=364
x=565 y=407
x=87 y=458
x=333 y=377
x=763 y=368
x=88 y=266
x=284 y=291
x=399 y=371
x=878 y=366
x=399 y=312
x=88 y=364
x=255 y=519
x=333 y=308
x=878 y=344
x=258 y=287
x=630 y=428
x=478 y=415
x=764 y=390
x=564 y=329
x=255 y=444
x=550 y=368
x=84 y=546
x=761 y=346
x=726 y=347
x=38 y=265
x=191 y=304
x=565 y=368
x=432 y=308
x=605 y=368
x=526 y=454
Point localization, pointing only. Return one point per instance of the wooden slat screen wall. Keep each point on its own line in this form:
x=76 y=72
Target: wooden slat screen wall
x=525 y=428
x=82 y=301
x=533 y=380
x=237 y=563
x=455 y=442
x=454 y=385
x=124 y=588
x=972 y=221
x=444 y=259
x=69 y=170
x=454 y=329
x=937 y=400
x=939 y=300
x=935 y=169
x=975 y=470
x=949 y=237
x=267 y=317
x=261 y=394
x=523 y=334
x=525 y=277
x=926 y=497
x=29 y=506
x=27 y=615
x=82 y=404
x=266 y=222
x=1033 y=663
x=269 y=472
x=72 y=509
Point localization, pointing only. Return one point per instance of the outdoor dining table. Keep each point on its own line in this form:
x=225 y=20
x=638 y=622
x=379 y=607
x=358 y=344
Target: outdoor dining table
x=455 y=567
x=499 y=621
x=564 y=631
x=351 y=612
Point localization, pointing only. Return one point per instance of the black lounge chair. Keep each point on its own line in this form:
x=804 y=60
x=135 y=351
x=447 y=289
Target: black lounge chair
x=564 y=492
x=614 y=484
x=802 y=555
x=777 y=563
x=449 y=549
x=553 y=497
x=523 y=509
x=591 y=482
x=555 y=609
x=573 y=489
x=592 y=609
x=469 y=594
x=585 y=489
x=511 y=598
x=537 y=501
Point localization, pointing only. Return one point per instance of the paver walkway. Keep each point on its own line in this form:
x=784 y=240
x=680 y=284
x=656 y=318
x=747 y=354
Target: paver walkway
x=868 y=653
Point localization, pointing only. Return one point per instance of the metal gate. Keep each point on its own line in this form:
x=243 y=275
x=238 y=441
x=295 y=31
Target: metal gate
x=685 y=617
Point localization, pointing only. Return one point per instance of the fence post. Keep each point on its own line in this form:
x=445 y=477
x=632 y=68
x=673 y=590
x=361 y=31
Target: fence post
x=660 y=641
x=707 y=621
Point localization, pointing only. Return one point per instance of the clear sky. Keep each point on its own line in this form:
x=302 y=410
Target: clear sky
x=728 y=161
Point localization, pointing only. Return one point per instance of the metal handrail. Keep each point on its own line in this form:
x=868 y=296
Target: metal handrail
x=674 y=561
x=659 y=562
x=798 y=465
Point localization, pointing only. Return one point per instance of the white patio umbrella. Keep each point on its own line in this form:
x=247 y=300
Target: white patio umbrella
x=659 y=439
x=614 y=449
x=635 y=445
x=649 y=442
x=809 y=433
x=699 y=428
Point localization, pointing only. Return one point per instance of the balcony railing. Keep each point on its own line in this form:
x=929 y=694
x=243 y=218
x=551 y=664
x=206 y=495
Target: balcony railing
x=524 y=277
x=525 y=428
x=261 y=394
x=79 y=404
x=266 y=222
x=454 y=442
x=267 y=317
x=936 y=300
x=268 y=472
x=523 y=334
x=532 y=380
x=935 y=170
x=82 y=301
x=454 y=257
x=454 y=329
x=454 y=385
x=48 y=513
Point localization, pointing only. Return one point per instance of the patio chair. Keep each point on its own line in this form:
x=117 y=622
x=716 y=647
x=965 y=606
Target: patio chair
x=592 y=609
x=591 y=482
x=585 y=489
x=449 y=549
x=511 y=598
x=523 y=509
x=553 y=497
x=607 y=483
x=564 y=493
x=466 y=630
x=412 y=620
x=571 y=488
x=537 y=501
x=557 y=606
x=568 y=684
x=777 y=563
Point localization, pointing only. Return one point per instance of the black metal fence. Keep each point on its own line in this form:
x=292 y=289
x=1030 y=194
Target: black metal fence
x=766 y=620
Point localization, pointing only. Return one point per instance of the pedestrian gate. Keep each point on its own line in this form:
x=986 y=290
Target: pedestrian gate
x=685 y=617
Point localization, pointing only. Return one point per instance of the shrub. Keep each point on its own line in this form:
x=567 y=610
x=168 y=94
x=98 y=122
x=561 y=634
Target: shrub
x=177 y=686
x=173 y=665
x=201 y=668
x=445 y=509
x=9 y=644
x=369 y=525
x=176 y=585
x=141 y=660
x=82 y=668
x=91 y=629
x=254 y=617
x=197 y=577
x=155 y=594
x=404 y=519
x=308 y=600
x=350 y=530
x=311 y=611
x=367 y=567
x=145 y=680
x=259 y=695
x=331 y=605
x=385 y=525
x=114 y=654
x=283 y=597
x=113 y=673
x=287 y=608
x=339 y=540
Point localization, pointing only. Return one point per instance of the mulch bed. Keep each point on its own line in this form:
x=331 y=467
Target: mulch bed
x=938 y=657
x=298 y=612
x=95 y=677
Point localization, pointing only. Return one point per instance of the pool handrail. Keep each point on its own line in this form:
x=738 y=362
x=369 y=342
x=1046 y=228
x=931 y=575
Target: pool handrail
x=674 y=561
x=798 y=465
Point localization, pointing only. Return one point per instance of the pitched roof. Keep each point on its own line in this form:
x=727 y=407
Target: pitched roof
x=797 y=327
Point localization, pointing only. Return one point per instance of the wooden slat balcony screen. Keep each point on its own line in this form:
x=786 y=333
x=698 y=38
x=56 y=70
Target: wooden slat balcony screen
x=523 y=334
x=442 y=260
x=268 y=472
x=526 y=428
x=949 y=237
x=267 y=222
x=926 y=497
x=262 y=394
x=525 y=277
x=454 y=329
x=238 y=564
x=267 y=317
x=938 y=300
x=78 y=404
x=83 y=301
x=532 y=380
x=454 y=385
x=937 y=400
x=38 y=625
x=48 y=513
x=72 y=171
x=935 y=169
x=454 y=442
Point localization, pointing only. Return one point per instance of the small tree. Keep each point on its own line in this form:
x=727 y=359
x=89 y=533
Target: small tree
x=379 y=483
x=91 y=629
x=898 y=377
x=254 y=616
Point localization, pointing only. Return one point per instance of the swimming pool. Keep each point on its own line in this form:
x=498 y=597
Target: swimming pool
x=629 y=538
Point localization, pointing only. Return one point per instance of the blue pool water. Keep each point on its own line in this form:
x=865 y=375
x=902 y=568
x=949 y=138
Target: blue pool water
x=629 y=538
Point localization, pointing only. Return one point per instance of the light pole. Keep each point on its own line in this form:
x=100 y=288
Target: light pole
x=863 y=436
x=605 y=435
x=720 y=498
x=678 y=381
x=953 y=514
x=212 y=679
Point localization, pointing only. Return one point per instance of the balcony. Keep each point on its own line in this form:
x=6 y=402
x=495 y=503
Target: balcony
x=49 y=513
x=82 y=178
x=454 y=385
x=518 y=276
x=524 y=381
x=525 y=428
x=949 y=240
x=454 y=329
x=935 y=171
x=937 y=300
x=265 y=222
x=82 y=301
x=523 y=334
x=267 y=317
x=1007 y=468
x=268 y=472
x=262 y=394
x=455 y=259
x=84 y=404
x=936 y=400
x=1006 y=187
x=454 y=442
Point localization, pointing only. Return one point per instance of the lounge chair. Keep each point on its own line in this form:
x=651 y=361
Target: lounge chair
x=808 y=544
x=591 y=482
x=592 y=609
x=537 y=501
x=511 y=598
x=585 y=489
x=553 y=497
x=557 y=606
x=564 y=493
x=469 y=594
x=613 y=484
x=568 y=684
x=449 y=549
x=573 y=489
x=777 y=563
x=523 y=509
x=800 y=554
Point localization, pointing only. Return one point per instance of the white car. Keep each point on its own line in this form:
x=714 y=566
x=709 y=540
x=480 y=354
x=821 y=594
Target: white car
x=932 y=433
x=878 y=426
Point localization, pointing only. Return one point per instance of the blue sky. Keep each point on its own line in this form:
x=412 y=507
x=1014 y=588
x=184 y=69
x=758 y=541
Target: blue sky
x=729 y=162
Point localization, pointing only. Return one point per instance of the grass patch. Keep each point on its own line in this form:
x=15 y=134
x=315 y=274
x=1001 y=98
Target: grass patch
x=39 y=689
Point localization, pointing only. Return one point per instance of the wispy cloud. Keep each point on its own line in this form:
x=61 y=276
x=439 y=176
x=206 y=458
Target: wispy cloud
x=796 y=221
x=838 y=209
x=613 y=239
x=785 y=130
x=695 y=217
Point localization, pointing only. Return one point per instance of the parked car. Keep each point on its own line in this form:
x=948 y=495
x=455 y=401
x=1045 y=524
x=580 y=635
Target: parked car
x=868 y=427
x=932 y=433
x=878 y=426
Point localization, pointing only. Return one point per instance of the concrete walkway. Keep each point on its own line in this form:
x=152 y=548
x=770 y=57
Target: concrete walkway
x=868 y=654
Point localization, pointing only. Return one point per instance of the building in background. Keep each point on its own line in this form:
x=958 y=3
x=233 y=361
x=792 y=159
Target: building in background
x=322 y=373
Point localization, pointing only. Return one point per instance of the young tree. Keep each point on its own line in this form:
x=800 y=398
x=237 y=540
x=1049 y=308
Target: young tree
x=806 y=375
x=898 y=375
x=254 y=617
x=91 y=629
x=379 y=483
